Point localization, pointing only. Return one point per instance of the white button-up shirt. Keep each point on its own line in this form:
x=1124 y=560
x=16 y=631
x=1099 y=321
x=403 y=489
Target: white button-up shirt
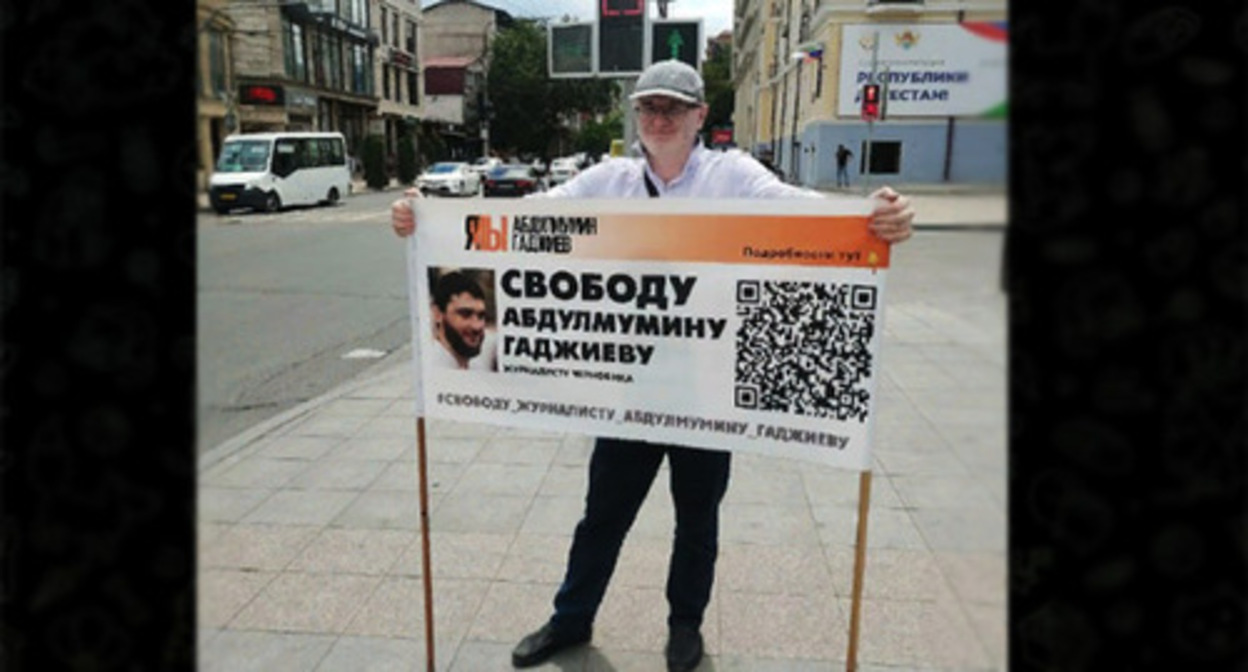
x=707 y=174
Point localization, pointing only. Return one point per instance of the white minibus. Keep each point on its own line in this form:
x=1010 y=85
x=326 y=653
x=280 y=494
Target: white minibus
x=269 y=171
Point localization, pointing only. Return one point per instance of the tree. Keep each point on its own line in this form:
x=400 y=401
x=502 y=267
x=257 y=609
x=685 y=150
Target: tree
x=375 y=162
x=407 y=156
x=595 y=137
x=528 y=105
x=717 y=76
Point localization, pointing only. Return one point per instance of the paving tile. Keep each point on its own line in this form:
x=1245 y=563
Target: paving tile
x=643 y=563
x=766 y=524
x=228 y=505
x=298 y=447
x=383 y=448
x=914 y=634
x=222 y=593
x=456 y=555
x=312 y=603
x=333 y=474
x=991 y=625
x=962 y=530
x=511 y=450
x=257 y=547
x=565 y=480
x=301 y=507
x=232 y=651
x=553 y=515
x=257 y=472
x=318 y=424
x=758 y=486
x=892 y=574
x=376 y=509
x=369 y=408
x=782 y=626
x=886 y=528
x=348 y=551
x=397 y=609
x=404 y=476
x=401 y=428
x=839 y=487
x=975 y=577
x=935 y=463
x=460 y=450
x=633 y=619
x=472 y=512
x=944 y=492
x=375 y=654
x=536 y=559
x=781 y=570
x=509 y=611
x=500 y=479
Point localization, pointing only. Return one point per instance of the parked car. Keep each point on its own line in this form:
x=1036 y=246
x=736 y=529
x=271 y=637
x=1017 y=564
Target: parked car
x=485 y=164
x=562 y=170
x=449 y=178
x=513 y=179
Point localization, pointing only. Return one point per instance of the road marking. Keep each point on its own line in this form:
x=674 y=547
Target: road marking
x=364 y=353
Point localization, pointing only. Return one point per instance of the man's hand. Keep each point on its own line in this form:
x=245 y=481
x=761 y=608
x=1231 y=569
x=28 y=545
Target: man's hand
x=401 y=216
x=892 y=216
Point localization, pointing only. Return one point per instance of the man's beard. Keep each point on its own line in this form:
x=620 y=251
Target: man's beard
x=458 y=345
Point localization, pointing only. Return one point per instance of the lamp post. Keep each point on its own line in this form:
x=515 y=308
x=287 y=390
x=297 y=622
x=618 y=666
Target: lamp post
x=866 y=154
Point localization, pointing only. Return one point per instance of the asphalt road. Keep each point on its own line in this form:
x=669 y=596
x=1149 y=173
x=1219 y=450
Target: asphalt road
x=293 y=304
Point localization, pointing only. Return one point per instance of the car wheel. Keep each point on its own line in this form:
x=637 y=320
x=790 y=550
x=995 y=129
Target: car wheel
x=332 y=198
x=221 y=210
x=272 y=202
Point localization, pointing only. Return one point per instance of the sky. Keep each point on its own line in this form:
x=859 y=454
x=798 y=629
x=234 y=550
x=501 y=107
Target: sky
x=716 y=15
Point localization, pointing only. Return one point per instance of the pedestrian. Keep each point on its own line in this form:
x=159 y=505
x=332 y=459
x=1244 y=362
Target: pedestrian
x=842 y=165
x=670 y=106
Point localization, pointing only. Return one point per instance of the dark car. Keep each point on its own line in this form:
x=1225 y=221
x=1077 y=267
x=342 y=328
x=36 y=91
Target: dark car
x=513 y=179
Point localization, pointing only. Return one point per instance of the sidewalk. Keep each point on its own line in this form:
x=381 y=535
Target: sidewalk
x=309 y=534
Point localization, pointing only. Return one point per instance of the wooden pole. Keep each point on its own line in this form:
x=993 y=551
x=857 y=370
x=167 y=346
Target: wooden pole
x=860 y=559
x=426 y=564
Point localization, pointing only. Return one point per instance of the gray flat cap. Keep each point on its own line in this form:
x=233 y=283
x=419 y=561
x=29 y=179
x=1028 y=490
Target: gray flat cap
x=671 y=78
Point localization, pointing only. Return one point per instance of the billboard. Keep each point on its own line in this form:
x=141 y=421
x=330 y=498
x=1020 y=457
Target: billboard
x=927 y=70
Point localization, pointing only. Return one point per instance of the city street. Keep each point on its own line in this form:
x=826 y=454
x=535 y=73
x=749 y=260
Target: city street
x=291 y=305
x=310 y=552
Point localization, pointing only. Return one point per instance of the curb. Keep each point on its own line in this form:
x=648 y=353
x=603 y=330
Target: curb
x=240 y=442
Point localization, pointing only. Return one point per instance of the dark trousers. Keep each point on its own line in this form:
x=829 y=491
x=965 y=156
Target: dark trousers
x=620 y=474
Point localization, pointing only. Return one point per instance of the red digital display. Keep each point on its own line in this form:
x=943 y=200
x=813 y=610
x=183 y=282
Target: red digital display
x=261 y=95
x=623 y=7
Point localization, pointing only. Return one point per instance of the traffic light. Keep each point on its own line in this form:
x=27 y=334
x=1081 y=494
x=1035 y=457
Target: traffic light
x=870 y=102
x=621 y=32
x=676 y=38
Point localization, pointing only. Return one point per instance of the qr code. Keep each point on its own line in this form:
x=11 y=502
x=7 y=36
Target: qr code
x=805 y=347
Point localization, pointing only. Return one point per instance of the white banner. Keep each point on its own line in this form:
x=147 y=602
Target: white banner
x=746 y=325
x=926 y=69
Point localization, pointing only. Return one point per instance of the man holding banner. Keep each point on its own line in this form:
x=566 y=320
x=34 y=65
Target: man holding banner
x=671 y=109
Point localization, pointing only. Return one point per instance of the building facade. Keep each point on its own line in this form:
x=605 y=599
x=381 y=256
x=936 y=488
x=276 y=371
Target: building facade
x=305 y=66
x=458 y=35
x=398 y=72
x=214 y=85
x=798 y=71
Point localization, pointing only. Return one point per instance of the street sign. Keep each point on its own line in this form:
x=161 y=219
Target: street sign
x=570 y=50
x=621 y=32
x=680 y=39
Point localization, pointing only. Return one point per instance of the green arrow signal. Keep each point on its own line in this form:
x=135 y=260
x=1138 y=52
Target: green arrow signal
x=674 y=43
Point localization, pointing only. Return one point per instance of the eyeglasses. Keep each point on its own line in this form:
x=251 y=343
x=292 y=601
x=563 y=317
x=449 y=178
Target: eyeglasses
x=669 y=112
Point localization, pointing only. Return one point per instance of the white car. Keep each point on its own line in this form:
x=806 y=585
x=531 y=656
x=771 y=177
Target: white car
x=562 y=170
x=485 y=164
x=449 y=178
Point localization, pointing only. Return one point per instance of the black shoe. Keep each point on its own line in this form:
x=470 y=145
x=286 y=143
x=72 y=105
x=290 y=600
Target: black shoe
x=538 y=647
x=684 y=648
